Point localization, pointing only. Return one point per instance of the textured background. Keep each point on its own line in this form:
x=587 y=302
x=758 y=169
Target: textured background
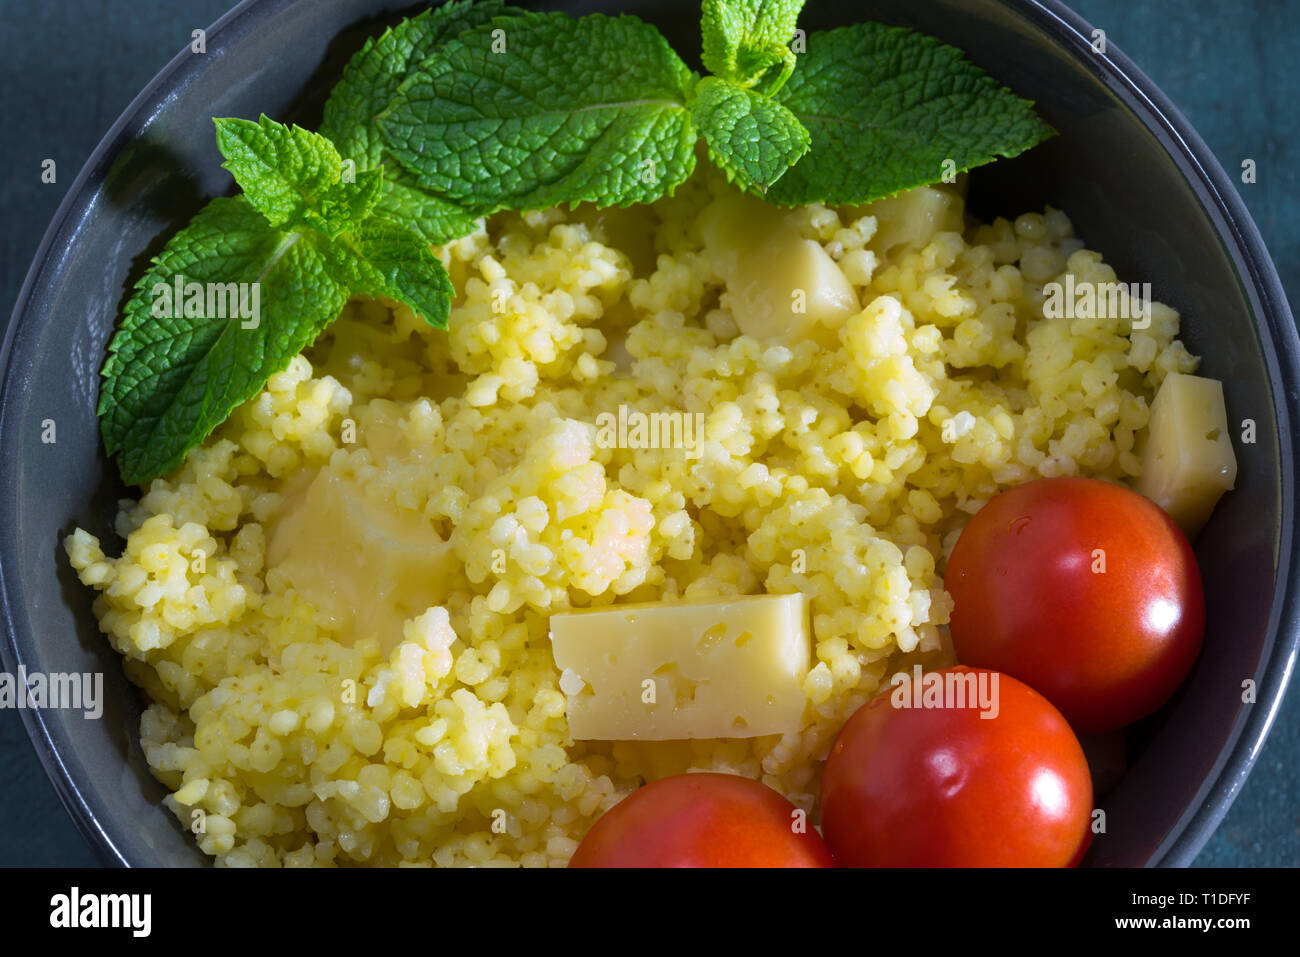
x=67 y=70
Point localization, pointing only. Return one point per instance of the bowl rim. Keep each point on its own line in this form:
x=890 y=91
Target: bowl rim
x=63 y=230
x=1280 y=346
x=1232 y=222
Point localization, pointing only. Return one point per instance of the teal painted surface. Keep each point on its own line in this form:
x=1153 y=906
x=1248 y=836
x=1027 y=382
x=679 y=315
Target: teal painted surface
x=68 y=69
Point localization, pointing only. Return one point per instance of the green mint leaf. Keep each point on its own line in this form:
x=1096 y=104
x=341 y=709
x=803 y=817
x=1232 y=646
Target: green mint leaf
x=751 y=138
x=744 y=39
x=887 y=108
x=294 y=176
x=374 y=73
x=251 y=297
x=171 y=378
x=543 y=109
x=369 y=83
x=386 y=260
x=404 y=204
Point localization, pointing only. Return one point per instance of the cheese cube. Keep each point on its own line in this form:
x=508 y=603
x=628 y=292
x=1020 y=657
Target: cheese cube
x=1188 y=462
x=909 y=220
x=781 y=286
x=365 y=568
x=726 y=668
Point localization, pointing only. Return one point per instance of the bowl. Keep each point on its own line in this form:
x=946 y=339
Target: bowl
x=1135 y=178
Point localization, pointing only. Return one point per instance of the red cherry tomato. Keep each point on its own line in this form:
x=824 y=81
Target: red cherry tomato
x=702 y=820
x=941 y=786
x=1086 y=591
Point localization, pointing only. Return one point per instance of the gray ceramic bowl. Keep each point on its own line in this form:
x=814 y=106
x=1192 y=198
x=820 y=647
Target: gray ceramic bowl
x=1137 y=181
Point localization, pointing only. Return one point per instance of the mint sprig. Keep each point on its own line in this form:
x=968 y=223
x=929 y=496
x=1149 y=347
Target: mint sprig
x=471 y=108
x=751 y=138
x=887 y=108
x=171 y=379
x=297 y=244
x=745 y=39
x=542 y=109
x=380 y=259
x=370 y=81
x=294 y=176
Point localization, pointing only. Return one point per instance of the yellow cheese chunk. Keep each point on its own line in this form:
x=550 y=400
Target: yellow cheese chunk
x=1188 y=462
x=781 y=286
x=729 y=668
x=366 y=568
x=911 y=219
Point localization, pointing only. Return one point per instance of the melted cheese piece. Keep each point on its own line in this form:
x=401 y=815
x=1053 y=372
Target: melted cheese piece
x=366 y=568
x=730 y=668
x=781 y=286
x=909 y=220
x=1188 y=462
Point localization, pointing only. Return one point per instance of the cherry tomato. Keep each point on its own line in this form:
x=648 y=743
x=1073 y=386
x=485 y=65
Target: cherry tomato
x=941 y=786
x=1084 y=590
x=703 y=820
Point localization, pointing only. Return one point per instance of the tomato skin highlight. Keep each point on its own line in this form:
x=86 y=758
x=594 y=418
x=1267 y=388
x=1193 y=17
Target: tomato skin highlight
x=945 y=787
x=702 y=820
x=1106 y=647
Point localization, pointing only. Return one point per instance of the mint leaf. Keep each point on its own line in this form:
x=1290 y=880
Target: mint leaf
x=887 y=107
x=268 y=271
x=373 y=75
x=542 y=109
x=744 y=39
x=462 y=112
x=370 y=81
x=751 y=138
x=171 y=379
x=386 y=260
x=293 y=176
